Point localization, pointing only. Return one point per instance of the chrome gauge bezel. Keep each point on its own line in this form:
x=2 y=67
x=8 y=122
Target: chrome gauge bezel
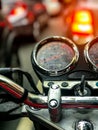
x=67 y=68
x=86 y=54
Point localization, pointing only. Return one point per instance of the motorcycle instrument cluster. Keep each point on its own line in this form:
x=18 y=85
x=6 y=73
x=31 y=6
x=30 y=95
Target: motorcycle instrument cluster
x=55 y=55
x=68 y=99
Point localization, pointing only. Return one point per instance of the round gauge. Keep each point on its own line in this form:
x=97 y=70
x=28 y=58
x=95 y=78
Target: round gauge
x=91 y=53
x=55 y=55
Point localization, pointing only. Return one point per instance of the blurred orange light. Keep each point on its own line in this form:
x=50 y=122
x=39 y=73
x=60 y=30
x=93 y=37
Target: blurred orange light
x=82 y=22
x=86 y=28
x=83 y=17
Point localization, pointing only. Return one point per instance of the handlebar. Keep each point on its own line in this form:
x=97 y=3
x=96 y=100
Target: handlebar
x=41 y=101
x=22 y=94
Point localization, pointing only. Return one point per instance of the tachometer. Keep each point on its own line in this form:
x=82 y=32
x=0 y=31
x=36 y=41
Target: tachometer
x=91 y=53
x=55 y=55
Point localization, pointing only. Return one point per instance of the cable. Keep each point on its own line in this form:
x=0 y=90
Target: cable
x=9 y=71
x=29 y=78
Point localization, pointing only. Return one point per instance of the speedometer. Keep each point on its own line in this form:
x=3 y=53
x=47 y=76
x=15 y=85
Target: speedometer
x=91 y=53
x=55 y=55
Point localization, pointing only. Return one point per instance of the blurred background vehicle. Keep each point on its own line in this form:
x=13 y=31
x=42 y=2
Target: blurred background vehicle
x=80 y=20
x=31 y=15
x=41 y=16
x=21 y=22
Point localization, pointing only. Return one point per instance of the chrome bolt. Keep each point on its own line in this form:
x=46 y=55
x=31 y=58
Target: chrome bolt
x=53 y=103
x=84 y=125
x=55 y=86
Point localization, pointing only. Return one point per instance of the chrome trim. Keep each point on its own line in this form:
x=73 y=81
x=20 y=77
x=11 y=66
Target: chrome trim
x=8 y=85
x=50 y=39
x=86 y=54
x=79 y=100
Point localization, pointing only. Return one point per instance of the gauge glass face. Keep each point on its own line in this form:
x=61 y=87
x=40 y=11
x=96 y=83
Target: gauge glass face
x=55 y=56
x=93 y=54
